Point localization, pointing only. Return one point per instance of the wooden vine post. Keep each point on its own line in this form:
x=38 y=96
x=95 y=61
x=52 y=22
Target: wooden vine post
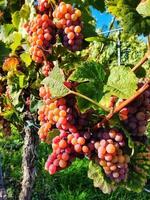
x=28 y=161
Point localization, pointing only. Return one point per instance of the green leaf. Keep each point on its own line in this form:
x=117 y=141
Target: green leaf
x=35 y=104
x=96 y=174
x=25 y=57
x=23 y=81
x=122 y=82
x=144 y=8
x=55 y=82
x=91 y=76
x=5 y=31
x=139 y=169
x=4 y=52
x=15 y=97
x=25 y=11
x=3 y=4
x=99 y=5
x=8 y=114
x=17 y=41
x=16 y=19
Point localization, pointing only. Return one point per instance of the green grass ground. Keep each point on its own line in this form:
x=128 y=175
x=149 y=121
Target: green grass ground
x=73 y=184
x=70 y=184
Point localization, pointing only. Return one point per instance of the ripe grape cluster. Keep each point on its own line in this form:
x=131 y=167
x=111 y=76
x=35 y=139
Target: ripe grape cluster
x=77 y=139
x=67 y=20
x=110 y=154
x=62 y=155
x=44 y=5
x=47 y=67
x=41 y=32
x=5 y=126
x=136 y=115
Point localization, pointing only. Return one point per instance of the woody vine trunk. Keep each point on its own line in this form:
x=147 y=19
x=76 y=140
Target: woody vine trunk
x=28 y=163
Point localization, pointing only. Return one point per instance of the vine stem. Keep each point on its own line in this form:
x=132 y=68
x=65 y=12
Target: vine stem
x=123 y=104
x=142 y=61
x=88 y=99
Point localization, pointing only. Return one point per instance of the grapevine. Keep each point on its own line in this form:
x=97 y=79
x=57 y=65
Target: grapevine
x=61 y=87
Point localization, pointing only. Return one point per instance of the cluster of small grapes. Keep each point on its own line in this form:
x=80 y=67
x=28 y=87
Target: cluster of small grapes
x=42 y=34
x=136 y=115
x=5 y=126
x=62 y=155
x=56 y=114
x=47 y=67
x=44 y=5
x=111 y=157
x=67 y=20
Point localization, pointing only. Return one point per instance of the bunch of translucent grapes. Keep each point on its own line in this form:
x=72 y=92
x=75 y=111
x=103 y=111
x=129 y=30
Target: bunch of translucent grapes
x=63 y=154
x=136 y=115
x=47 y=67
x=56 y=114
x=44 y=5
x=67 y=20
x=111 y=156
x=41 y=35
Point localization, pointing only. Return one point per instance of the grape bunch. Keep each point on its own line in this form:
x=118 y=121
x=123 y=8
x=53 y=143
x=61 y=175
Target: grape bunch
x=135 y=116
x=77 y=139
x=67 y=20
x=56 y=114
x=62 y=155
x=110 y=154
x=47 y=67
x=41 y=31
x=5 y=127
x=44 y=5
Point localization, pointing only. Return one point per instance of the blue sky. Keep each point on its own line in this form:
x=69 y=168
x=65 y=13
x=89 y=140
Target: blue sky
x=102 y=19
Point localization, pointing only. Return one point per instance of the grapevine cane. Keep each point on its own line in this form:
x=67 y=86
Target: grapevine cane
x=141 y=62
x=123 y=104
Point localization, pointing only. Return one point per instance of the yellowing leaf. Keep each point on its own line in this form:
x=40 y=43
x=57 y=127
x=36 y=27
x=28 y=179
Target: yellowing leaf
x=95 y=173
x=10 y=64
x=144 y=8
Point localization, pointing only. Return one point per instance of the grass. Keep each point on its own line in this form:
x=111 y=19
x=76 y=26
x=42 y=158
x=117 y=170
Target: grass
x=73 y=184
x=70 y=184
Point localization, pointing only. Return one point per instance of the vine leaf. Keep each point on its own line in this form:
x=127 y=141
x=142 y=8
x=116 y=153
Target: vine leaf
x=16 y=19
x=25 y=11
x=91 y=76
x=4 y=51
x=17 y=41
x=55 y=81
x=35 y=104
x=95 y=173
x=144 y=8
x=26 y=58
x=139 y=169
x=122 y=82
x=5 y=31
x=3 y=4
